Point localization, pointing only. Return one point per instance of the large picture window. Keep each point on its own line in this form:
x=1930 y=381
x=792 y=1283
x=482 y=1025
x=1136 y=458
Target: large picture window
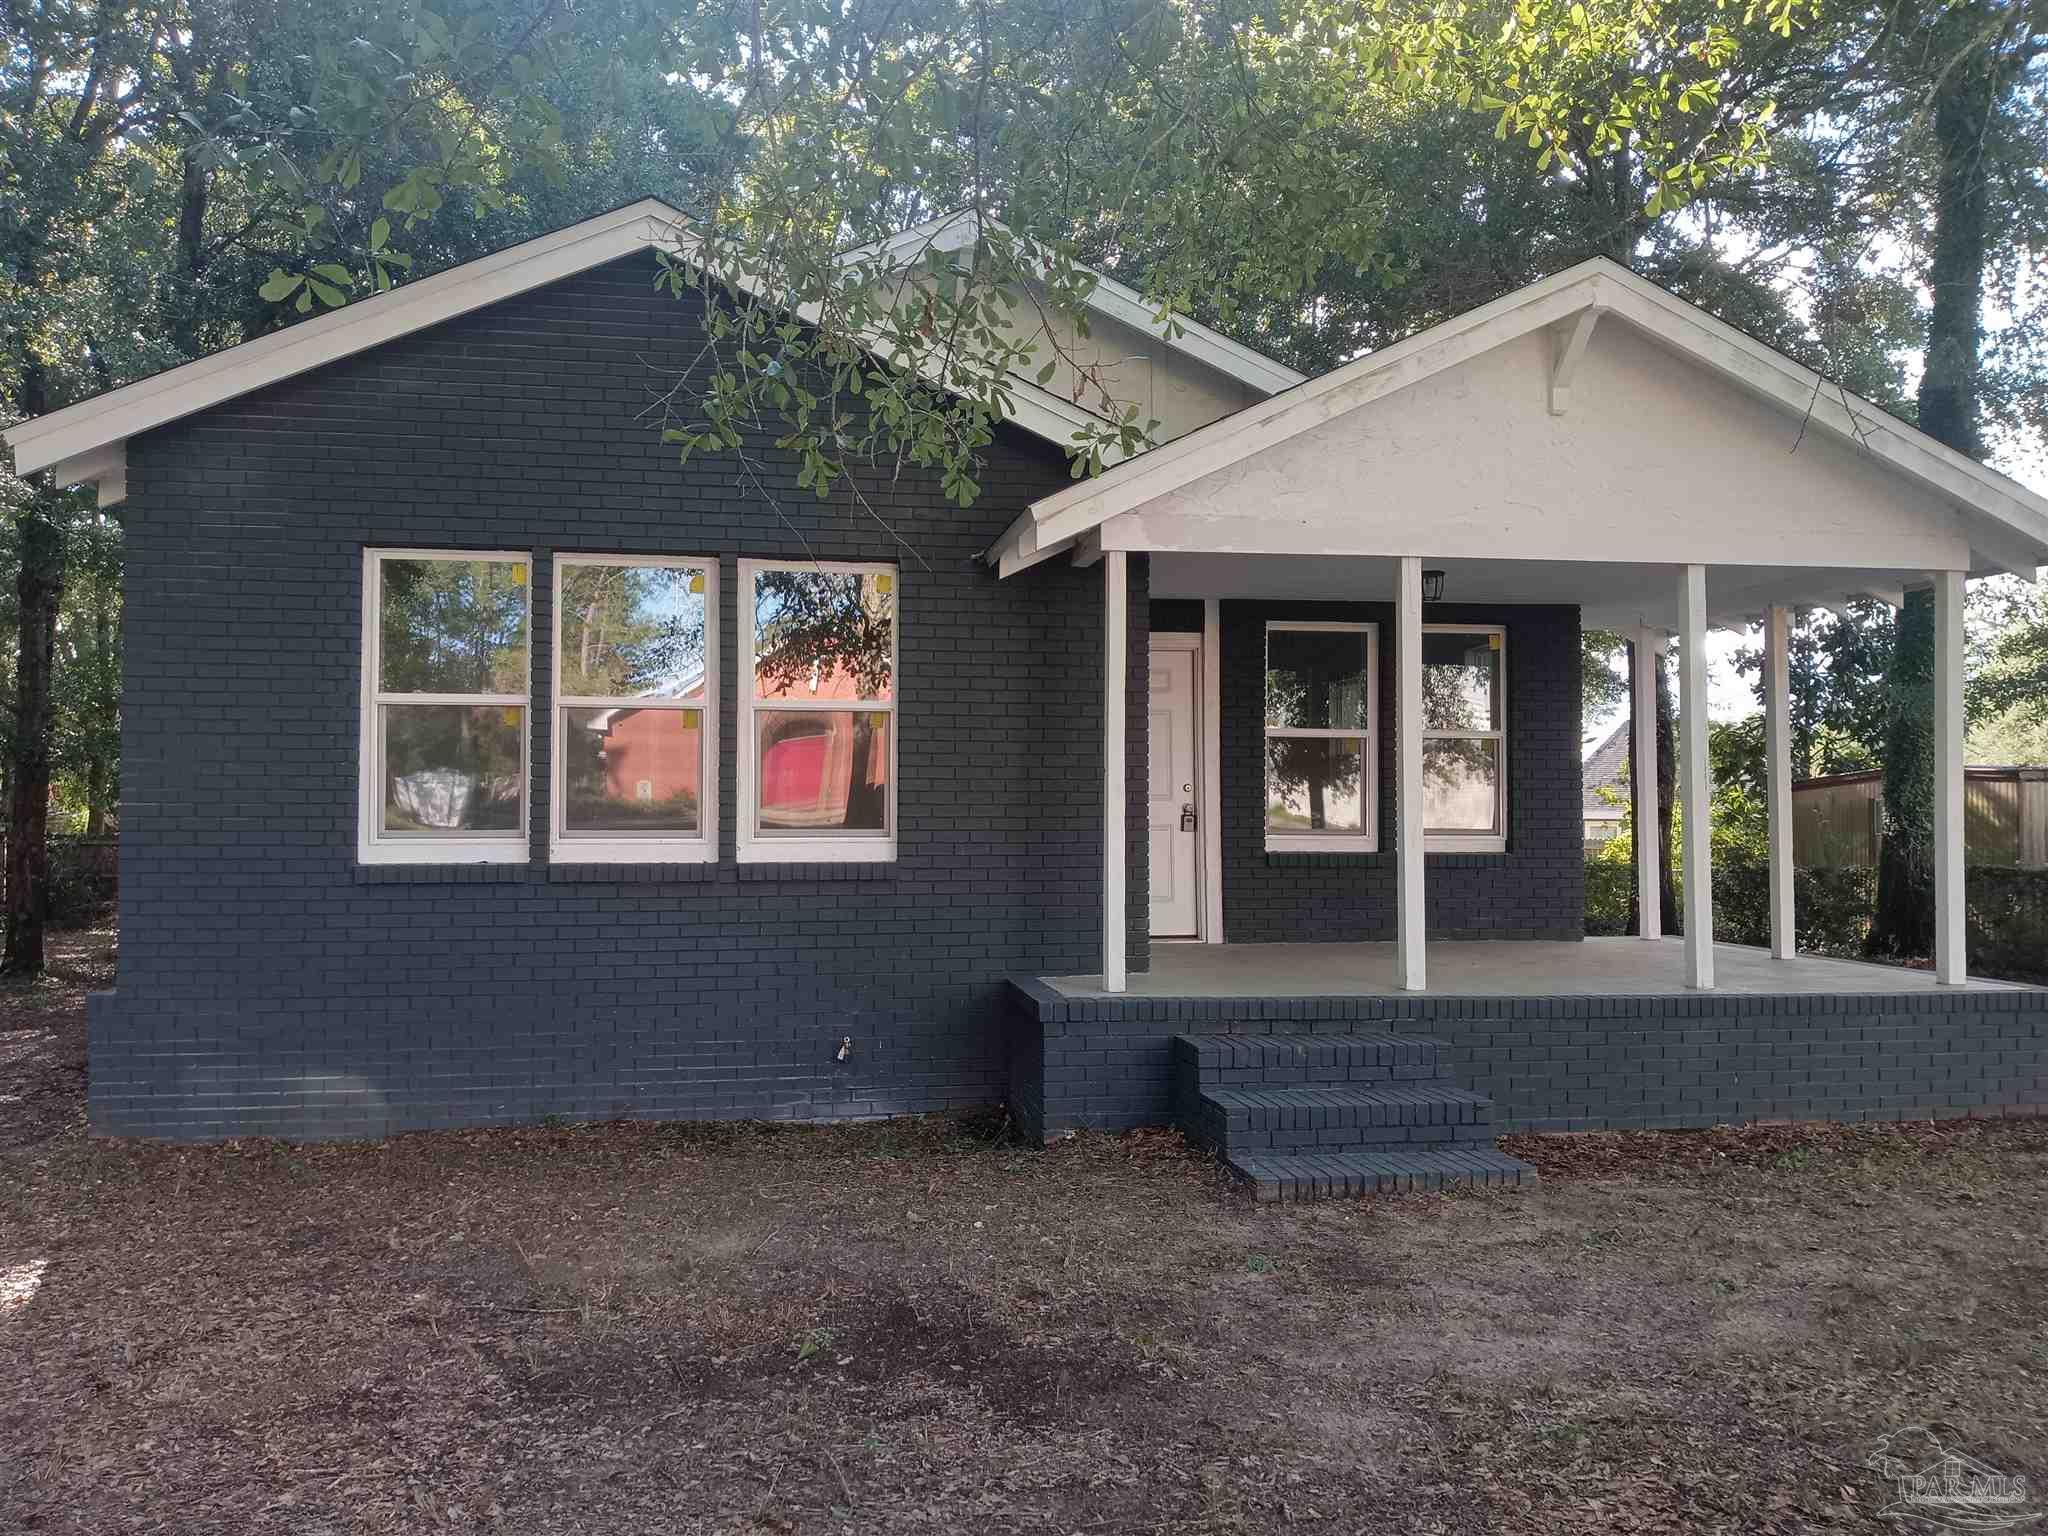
x=445 y=685
x=818 y=688
x=1464 y=739
x=1322 y=770
x=635 y=758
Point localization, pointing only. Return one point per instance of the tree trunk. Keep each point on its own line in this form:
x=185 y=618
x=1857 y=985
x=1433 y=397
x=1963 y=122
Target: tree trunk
x=97 y=775
x=38 y=588
x=1667 y=798
x=1903 y=923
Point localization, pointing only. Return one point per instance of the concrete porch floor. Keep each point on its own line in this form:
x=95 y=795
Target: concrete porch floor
x=1497 y=968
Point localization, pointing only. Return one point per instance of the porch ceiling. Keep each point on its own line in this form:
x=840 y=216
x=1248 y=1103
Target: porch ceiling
x=1503 y=968
x=1609 y=594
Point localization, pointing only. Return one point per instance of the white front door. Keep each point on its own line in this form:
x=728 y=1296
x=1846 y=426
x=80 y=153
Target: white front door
x=1172 y=800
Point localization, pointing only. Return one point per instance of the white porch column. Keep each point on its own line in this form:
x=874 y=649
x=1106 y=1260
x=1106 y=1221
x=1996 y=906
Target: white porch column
x=1646 y=656
x=1778 y=777
x=1116 y=601
x=1695 y=787
x=1951 y=948
x=1410 y=970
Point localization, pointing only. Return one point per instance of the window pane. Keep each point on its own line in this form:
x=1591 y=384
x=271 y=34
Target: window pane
x=1460 y=785
x=823 y=770
x=453 y=626
x=1461 y=682
x=453 y=767
x=1316 y=678
x=632 y=631
x=632 y=770
x=824 y=634
x=1315 y=784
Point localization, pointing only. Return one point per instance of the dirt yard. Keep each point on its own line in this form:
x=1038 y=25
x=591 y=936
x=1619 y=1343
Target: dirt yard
x=923 y=1327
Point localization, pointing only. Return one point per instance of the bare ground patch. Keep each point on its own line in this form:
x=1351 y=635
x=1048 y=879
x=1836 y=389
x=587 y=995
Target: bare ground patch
x=921 y=1327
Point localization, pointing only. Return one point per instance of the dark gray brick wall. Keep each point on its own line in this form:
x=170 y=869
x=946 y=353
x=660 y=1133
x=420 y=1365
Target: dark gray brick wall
x=1536 y=890
x=267 y=984
x=1581 y=1063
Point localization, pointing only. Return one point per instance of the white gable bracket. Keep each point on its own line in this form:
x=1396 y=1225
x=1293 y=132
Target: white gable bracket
x=1572 y=351
x=105 y=469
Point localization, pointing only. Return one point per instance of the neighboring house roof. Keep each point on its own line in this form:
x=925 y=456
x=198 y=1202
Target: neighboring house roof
x=1607 y=768
x=2006 y=524
x=85 y=443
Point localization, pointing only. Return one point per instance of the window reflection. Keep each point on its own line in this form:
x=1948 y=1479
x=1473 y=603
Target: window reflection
x=822 y=769
x=631 y=769
x=824 y=635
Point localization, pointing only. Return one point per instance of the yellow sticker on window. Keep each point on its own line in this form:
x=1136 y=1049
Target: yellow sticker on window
x=518 y=575
x=696 y=581
x=884 y=582
x=689 y=719
x=511 y=715
x=878 y=720
x=1493 y=642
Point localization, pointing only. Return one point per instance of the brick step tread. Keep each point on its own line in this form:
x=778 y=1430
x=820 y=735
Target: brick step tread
x=1340 y=1175
x=1232 y=1059
x=1427 y=1101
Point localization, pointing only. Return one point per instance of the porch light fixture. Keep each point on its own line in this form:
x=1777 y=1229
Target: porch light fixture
x=1432 y=586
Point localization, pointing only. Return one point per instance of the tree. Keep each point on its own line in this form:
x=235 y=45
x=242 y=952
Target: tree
x=1977 y=60
x=156 y=156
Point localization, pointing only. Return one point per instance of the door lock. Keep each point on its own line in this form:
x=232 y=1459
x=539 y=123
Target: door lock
x=1187 y=817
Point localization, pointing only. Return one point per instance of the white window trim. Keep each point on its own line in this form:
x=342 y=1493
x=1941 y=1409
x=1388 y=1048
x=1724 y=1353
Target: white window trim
x=1366 y=840
x=1477 y=842
x=751 y=846
x=373 y=844
x=699 y=847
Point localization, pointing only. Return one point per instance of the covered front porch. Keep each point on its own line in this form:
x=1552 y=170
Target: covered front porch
x=1359 y=747
x=1589 y=450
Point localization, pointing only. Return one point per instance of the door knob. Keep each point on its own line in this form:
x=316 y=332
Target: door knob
x=1187 y=817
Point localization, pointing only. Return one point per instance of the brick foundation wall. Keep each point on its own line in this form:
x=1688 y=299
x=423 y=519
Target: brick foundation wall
x=1579 y=1063
x=269 y=985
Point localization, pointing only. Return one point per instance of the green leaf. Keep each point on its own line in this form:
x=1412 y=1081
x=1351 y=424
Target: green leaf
x=281 y=286
x=336 y=273
x=379 y=233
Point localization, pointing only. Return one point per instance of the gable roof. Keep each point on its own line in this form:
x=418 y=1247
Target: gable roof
x=2007 y=524
x=958 y=230
x=86 y=442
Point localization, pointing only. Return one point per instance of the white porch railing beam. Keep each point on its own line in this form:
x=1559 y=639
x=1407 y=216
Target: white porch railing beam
x=1695 y=782
x=1116 y=601
x=1778 y=777
x=1410 y=970
x=1951 y=950
x=1646 y=655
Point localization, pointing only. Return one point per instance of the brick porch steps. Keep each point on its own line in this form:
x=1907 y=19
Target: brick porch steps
x=1337 y=1175
x=1304 y=1116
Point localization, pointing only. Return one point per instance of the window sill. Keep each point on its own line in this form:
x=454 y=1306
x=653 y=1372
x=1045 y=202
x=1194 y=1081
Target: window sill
x=630 y=851
x=799 y=850
x=1321 y=843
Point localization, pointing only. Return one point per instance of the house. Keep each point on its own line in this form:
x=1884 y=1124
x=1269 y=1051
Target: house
x=1239 y=785
x=1605 y=796
x=1838 y=818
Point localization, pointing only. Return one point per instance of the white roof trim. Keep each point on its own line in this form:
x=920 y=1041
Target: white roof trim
x=2007 y=523
x=86 y=442
x=1111 y=299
